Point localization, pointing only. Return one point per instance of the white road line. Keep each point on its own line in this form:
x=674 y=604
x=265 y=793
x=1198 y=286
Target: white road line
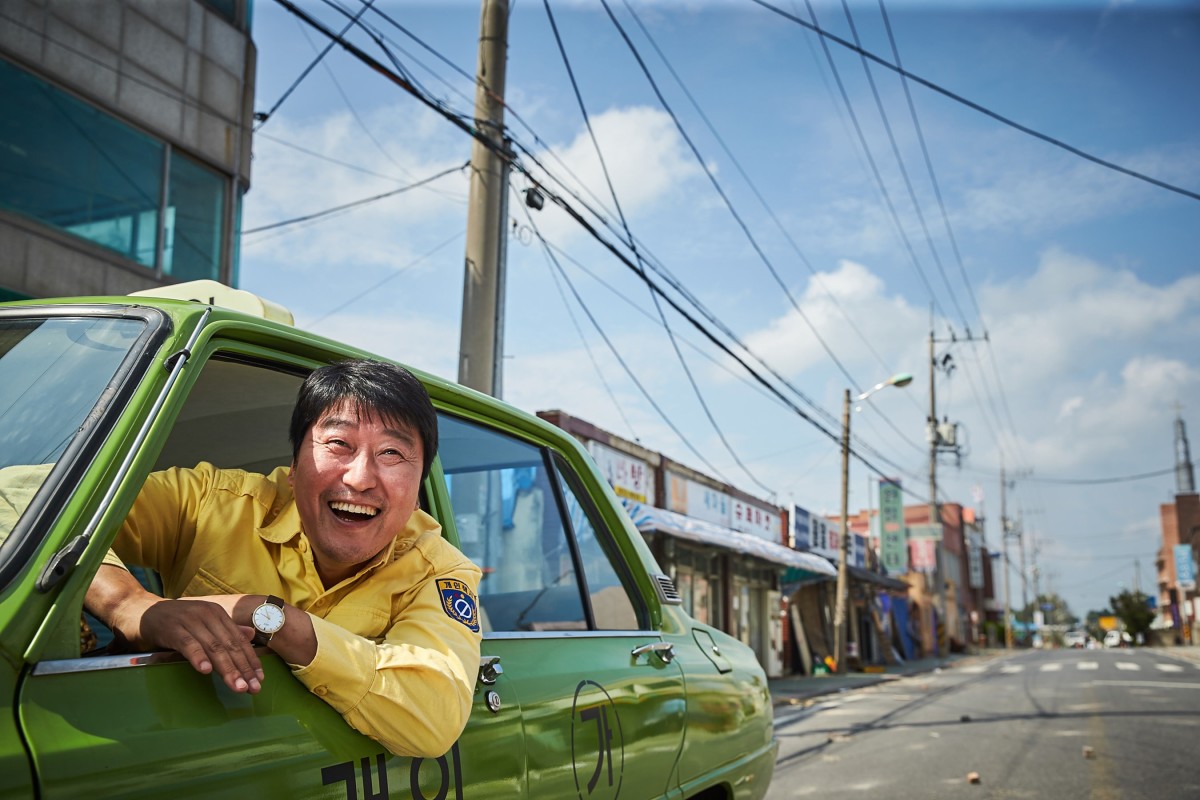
x=1052 y=667
x=973 y=670
x=1012 y=668
x=1169 y=667
x=1089 y=665
x=1128 y=666
x=1156 y=684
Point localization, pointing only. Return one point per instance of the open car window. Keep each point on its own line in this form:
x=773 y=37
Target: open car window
x=544 y=568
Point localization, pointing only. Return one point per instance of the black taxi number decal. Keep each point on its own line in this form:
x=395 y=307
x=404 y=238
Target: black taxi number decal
x=374 y=777
x=597 y=743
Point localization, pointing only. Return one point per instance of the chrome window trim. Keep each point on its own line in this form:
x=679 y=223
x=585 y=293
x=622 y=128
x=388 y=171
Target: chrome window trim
x=570 y=634
x=95 y=663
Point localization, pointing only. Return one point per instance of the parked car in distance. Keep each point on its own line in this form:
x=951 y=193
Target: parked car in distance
x=1075 y=639
x=593 y=680
x=1117 y=639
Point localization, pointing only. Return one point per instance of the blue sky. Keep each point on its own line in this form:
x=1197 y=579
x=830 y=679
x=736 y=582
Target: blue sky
x=1084 y=279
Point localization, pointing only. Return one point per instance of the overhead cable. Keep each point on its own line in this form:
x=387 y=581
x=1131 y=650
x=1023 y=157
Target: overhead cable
x=862 y=140
x=912 y=195
x=355 y=204
x=770 y=212
x=976 y=106
x=725 y=198
x=262 y=118
x=557 y=199
x=641 y=265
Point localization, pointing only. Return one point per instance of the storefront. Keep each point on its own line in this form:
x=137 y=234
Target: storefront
x=727 y=578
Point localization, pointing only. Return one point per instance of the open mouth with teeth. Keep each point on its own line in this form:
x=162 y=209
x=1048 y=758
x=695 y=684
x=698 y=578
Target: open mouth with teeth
x=352 y=512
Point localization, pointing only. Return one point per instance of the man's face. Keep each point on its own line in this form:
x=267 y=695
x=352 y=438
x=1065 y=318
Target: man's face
x=356 y=481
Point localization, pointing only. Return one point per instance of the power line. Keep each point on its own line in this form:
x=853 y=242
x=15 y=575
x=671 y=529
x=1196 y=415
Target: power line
x=628 y=371
x=262 y=117
x=468 y=128
x=976 y=106
x=355 y=204
x=912 y=195
x=629 y=237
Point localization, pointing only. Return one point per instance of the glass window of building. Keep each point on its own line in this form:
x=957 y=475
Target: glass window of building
x=69 y=165
x=193 y=222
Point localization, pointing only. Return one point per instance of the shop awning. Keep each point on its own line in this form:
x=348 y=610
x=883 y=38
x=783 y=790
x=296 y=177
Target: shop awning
x=649 y=519
x=883 y=581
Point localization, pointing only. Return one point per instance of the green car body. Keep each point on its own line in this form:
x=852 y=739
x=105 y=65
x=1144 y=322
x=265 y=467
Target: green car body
x=594 y=682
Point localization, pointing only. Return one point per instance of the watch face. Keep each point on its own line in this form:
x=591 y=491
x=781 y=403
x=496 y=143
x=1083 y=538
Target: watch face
x=267 y=618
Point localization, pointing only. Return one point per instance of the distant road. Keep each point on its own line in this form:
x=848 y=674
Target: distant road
x=1057 y=724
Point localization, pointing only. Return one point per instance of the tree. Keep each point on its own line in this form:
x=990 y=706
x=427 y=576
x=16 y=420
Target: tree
x=1055 y=609
x=1093 y=623
x=1134 y=611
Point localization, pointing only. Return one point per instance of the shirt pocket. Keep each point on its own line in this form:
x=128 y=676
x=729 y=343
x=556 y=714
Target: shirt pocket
x=205 y=583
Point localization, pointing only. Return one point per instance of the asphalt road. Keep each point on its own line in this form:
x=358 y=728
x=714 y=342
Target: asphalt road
x=1057 y=724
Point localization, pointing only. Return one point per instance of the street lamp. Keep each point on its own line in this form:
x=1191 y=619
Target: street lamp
x=839 y=613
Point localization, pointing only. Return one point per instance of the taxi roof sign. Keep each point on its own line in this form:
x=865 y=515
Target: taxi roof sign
x=211 y=292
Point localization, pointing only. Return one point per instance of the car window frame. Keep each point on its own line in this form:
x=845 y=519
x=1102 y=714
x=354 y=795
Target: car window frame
x=18 y=551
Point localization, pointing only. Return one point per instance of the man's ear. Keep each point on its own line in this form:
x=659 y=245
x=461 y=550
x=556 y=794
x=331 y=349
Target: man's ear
x=291 y=472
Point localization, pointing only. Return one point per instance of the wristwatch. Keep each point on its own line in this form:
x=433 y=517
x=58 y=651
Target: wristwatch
x=267 y=619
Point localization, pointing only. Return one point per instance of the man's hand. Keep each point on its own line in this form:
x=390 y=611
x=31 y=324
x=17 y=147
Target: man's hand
x=200 y=629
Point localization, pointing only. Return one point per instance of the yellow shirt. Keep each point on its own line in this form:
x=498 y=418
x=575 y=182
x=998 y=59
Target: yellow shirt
x=397 y=644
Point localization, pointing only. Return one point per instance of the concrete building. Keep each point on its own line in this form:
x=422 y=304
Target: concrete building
x=1180 y=539
x=125 y=146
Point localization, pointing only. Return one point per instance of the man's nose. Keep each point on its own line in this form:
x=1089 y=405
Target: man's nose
x=360 y=471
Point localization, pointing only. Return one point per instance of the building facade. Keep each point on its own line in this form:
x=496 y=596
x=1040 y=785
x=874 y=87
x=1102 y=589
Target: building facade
x=1177 y=598
x=125 y=151
x=721 y=546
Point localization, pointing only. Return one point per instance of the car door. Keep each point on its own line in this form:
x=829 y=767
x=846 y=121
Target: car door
x=148 y=725
x=602 y=702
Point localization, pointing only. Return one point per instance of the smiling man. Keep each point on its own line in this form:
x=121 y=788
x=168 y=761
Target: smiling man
x=330 y=563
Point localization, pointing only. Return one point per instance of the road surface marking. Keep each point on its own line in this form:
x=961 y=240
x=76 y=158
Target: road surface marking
x=1089 y=665
x=973 y=670
x=1012 y=668
x=1156 y=684
x=1128 y=666
x=1170 y=667
x=1052 y=667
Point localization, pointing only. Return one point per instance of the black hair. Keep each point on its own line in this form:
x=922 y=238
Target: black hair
x=374 y=388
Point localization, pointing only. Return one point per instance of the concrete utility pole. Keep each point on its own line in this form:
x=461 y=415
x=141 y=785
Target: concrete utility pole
x=1008 y=633
x=481 y=344
x=839 y=609
x=943 y=637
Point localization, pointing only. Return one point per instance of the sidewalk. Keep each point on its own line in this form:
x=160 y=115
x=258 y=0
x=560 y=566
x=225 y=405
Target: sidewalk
x=796 y=689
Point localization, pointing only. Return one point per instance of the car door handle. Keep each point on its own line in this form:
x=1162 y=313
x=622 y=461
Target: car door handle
x=664 y=650
x=489 y=669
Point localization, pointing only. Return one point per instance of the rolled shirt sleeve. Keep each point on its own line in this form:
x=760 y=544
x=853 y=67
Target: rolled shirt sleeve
x=412 y=691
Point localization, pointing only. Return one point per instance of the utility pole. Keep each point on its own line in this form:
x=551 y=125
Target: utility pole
x=839 y=610
x=1021 y=550
x=1008 y=634
x=481 y=343
x=942 y=634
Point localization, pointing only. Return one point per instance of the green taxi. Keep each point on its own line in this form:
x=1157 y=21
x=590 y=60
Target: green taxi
x=593 y=681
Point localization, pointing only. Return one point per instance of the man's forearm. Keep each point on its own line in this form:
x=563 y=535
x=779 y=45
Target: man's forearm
x=112 y=591
x=202 y=630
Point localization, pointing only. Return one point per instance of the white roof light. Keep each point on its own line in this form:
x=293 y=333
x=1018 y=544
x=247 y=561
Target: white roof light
x=218 y=294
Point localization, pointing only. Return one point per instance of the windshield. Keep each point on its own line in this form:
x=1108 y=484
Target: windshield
x=52 y=373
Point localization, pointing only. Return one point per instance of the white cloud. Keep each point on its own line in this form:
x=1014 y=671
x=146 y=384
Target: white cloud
x=836 y=304
x=287 y=184
x=645 y=158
